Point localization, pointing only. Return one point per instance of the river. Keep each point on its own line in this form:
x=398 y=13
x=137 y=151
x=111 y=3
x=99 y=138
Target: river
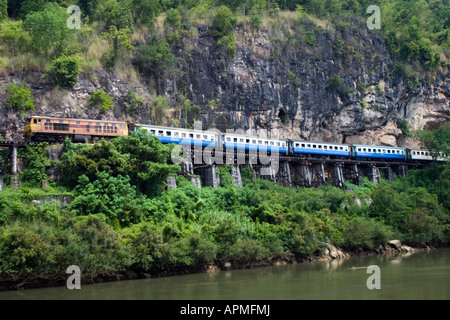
x=422 y=275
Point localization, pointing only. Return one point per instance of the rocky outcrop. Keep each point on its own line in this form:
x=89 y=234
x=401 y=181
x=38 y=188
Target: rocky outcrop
x=275 y=86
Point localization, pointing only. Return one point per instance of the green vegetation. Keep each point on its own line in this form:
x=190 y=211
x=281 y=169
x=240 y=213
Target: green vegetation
x=64 y=71
x=19 y=98
x=437 y=140
x=334 y=83
x=101 y=100
x=120 y=218
x=403 y=125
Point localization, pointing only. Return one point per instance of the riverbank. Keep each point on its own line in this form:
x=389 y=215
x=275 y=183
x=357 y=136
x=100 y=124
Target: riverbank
x=394 y=247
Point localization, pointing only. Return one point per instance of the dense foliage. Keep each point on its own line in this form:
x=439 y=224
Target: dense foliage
x=119 y=218
x=19 y=98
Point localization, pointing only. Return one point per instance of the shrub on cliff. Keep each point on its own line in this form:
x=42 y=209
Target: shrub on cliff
x=19 y=98
x=101 y=100
x=64 y=71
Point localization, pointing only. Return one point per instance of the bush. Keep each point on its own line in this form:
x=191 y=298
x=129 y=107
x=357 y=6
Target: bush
x=403 y=125
x=113 y=197
x=36 y=164
x=173 y=18
x=101 y=100
x=18 y=97
x=360 y=232
x=228 y=44
x=334 y=83
x=64 y=71
x=223 y=22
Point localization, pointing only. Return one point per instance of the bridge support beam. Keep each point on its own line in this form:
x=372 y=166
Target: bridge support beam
x=318 y=174
x=401 y=170
x=196 y=182
x=15 y=178
x=337 y=175
x=171 y=183
x=187 y=168
x=388 y=173
x=269 y=172
x=373 y=174
x=284 y=175
x=236 y=175
x=210 y=176
x=351 y=172
x=14 y=161
x=303 y=175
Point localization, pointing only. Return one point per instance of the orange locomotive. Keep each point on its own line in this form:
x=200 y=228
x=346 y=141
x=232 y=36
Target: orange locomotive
x=58 y=129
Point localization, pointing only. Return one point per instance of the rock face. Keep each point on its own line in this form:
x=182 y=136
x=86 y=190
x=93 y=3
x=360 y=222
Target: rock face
x=273 y=86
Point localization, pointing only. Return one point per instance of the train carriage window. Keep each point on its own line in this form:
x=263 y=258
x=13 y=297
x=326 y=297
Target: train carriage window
x=152 y=131
x=191 y=135
x=35 y=121
x=278 y=144
x=364 y=149
x=228 y=139
x=254 y=141
x=414 y=153
x=320 y=147
x=205 y=137
x=359 y=149
x=309 y=146
x=266 y=142
x=303 y=145
x=160 y=132
x=183 y=135
x=336 y=148
x=176 y=134
x=78 y=122
x=259 y=141
x=247 y=140
x=235 y=140
x=241 y=140
x=272 y=143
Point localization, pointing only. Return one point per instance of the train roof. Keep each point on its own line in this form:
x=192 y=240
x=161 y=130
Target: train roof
x=327 y=143
x=250 y=136
x=173 y=128
x=373 y=146
x=76 y=119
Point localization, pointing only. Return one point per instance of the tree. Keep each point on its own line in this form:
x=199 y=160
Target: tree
x=3 y=9
x=138 y=156
x=121 y=41
x=223 y=22
x=48 y=30
x=437 y=140
x=155 y=57
x=113 y=197
x=145 y=11
x=14 y=37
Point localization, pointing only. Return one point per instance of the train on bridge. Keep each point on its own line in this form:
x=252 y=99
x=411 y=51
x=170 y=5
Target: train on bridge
x=50 y=129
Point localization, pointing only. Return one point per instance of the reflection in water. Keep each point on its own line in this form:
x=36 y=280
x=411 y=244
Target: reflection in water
x=421 y=275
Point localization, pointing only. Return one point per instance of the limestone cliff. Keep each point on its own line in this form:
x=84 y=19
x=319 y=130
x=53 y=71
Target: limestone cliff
x=276 y=84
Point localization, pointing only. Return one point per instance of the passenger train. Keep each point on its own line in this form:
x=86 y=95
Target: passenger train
x=57 y=129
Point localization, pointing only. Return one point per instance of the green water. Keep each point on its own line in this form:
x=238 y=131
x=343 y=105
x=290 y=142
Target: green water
x=421 y=275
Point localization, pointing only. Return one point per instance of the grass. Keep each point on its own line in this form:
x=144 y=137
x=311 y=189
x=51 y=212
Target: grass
x=23 y=62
